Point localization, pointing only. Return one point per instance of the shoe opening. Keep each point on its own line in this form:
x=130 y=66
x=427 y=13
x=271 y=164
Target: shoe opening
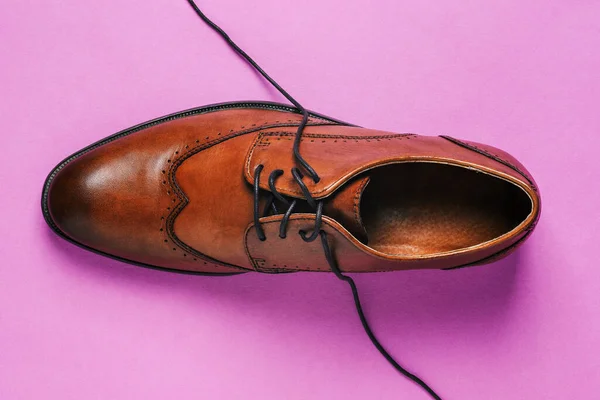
x=420 y=208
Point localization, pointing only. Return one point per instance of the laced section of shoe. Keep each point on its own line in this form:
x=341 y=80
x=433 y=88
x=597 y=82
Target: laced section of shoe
x=291 y=204
x=317 y=205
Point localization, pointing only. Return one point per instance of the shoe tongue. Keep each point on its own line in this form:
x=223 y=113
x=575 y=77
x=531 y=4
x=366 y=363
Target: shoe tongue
x=344 y=206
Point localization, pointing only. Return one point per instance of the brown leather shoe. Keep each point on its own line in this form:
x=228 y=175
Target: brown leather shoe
x=219 y=190
x=177 y=193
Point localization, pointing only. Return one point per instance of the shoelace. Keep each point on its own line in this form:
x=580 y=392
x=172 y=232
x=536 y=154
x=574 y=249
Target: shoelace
x=316 y=205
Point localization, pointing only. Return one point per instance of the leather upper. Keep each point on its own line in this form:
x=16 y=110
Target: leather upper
x=177 y=193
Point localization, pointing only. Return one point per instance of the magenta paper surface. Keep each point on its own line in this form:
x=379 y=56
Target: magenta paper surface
x=522 y=76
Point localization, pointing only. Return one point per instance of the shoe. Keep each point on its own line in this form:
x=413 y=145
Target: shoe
x=216 y=190
x=221 y=190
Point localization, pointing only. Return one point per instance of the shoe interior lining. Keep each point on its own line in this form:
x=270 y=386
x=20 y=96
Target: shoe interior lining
x=421 y=208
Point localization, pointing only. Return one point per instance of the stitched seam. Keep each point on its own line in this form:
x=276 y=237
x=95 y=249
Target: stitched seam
x=252 y=260
x=287 y=268
x=333 y=136
x=268 y=269
x=305 y=136
x=256 y=263
x=528 y=231
x=251 y=153
x=184 y=200
x=356 y=207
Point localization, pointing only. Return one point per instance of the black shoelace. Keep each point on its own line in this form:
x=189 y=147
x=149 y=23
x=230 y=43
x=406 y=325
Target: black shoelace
x=291 y=204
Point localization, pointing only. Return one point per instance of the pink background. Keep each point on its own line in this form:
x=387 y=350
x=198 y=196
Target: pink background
x=523 y=76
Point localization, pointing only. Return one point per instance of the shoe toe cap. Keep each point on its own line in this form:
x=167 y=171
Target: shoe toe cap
x=114 y=200
x=87 y=200
x=111 y=202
